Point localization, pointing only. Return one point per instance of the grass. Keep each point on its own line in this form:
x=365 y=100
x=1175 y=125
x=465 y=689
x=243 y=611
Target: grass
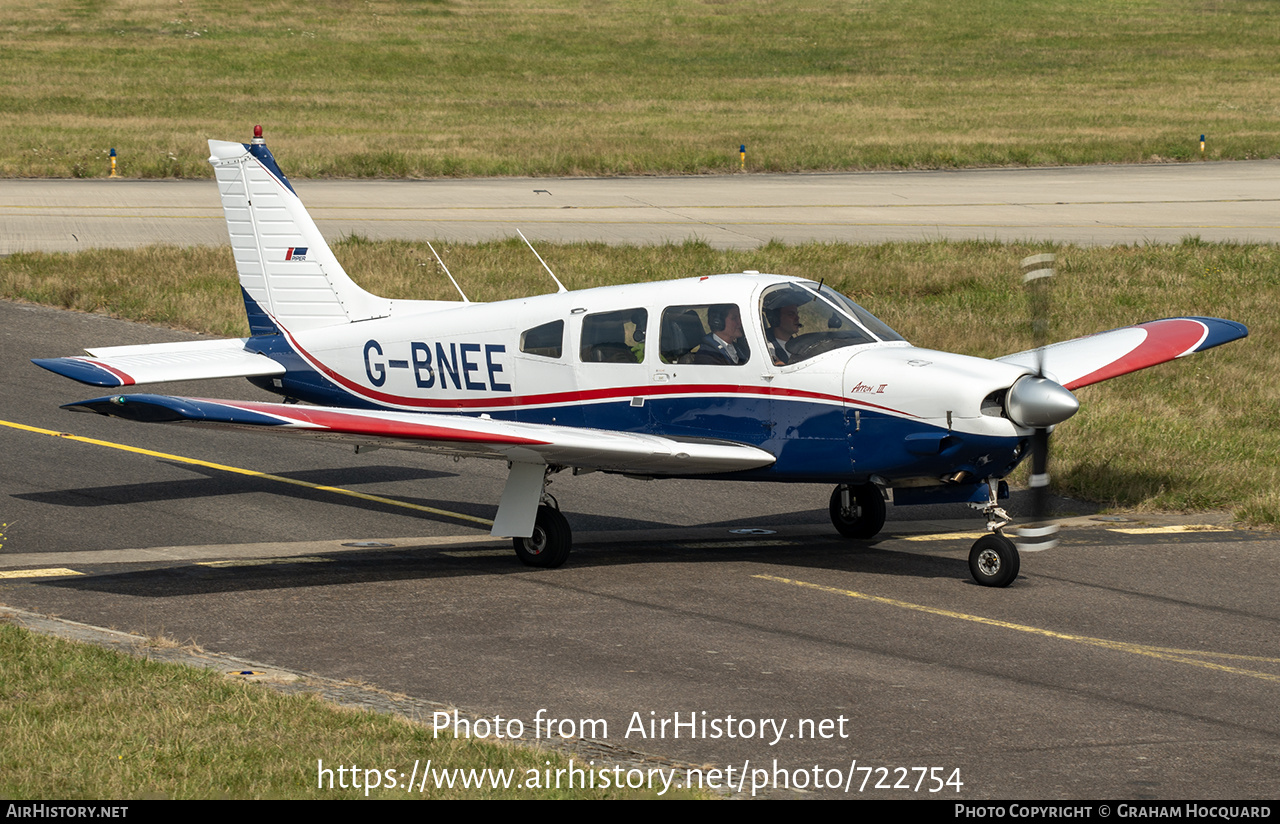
x=1195 y=434
x=384 y=88
x=82 y=722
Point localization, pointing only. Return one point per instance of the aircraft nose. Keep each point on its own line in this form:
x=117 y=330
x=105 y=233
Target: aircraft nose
x=1036 y=402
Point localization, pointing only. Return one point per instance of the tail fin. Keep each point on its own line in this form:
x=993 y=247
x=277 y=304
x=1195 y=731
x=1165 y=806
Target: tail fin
x=288 y=275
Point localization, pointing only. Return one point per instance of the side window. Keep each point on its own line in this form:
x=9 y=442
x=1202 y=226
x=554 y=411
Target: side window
x=706 y=334
x=614 y=337
x=546 y=340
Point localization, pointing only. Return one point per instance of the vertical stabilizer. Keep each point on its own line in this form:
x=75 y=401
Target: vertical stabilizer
x=287 y=272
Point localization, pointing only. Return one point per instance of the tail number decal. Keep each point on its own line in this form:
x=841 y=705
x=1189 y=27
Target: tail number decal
x=461 y=363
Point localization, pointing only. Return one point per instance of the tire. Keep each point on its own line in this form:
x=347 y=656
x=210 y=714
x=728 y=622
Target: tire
x=548 y=547
x=994 y=561
x=865 y=519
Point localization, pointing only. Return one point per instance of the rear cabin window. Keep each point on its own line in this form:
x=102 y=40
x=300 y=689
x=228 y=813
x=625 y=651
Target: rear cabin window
x=546 y=340
x=614 y=337
x=710 y=334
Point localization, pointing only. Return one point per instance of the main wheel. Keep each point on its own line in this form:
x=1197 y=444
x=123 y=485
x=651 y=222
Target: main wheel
x=864 y=517
x=548 y=547
x=994 y=561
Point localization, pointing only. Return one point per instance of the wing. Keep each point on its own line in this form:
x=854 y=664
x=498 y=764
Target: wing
x=485 y=437
x=159 y=362
x=1084 y=361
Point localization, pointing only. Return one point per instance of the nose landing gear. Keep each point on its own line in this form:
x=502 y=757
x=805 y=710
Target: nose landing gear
x=994 y=559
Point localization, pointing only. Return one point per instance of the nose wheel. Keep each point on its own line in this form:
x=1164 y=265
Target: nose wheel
x=994 y=561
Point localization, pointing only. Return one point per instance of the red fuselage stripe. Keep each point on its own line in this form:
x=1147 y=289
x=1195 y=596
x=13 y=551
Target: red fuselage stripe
x=579 y=396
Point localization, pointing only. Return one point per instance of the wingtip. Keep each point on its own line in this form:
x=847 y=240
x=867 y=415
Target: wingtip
x=85 y=371
x=1220 y=331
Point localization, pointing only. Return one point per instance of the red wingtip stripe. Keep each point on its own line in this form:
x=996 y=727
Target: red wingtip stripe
x=1165 y=340
x=125 y=378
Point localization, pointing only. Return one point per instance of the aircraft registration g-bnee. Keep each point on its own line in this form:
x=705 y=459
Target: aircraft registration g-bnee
x=736 y=376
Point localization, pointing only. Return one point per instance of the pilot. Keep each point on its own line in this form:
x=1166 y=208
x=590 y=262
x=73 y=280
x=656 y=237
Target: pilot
x=724 y=344
x=783 y=324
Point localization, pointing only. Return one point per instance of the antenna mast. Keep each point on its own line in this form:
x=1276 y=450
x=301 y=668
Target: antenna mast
x=465 y=299
x=543 y=262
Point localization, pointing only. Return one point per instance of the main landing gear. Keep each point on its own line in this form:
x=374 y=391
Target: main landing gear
x=857 y=511
x=548 y=547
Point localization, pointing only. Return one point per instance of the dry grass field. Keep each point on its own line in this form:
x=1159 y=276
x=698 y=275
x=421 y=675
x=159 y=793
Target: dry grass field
x=83 y=722
x=385 y=88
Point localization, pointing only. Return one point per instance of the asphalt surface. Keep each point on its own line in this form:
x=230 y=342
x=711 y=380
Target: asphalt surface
x=1084 y=205
x=1117 y=666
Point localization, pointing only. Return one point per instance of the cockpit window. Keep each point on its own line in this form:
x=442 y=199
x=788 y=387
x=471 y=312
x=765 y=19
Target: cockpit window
x=869 y=321
x=802 y=320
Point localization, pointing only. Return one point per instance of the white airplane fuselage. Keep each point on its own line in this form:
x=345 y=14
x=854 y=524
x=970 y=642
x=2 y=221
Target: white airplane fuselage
x=904 y=415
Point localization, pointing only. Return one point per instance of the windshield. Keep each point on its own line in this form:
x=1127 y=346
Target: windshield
x=803 y=319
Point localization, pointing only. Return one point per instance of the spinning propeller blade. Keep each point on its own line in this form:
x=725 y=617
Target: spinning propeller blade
x=1042 y=532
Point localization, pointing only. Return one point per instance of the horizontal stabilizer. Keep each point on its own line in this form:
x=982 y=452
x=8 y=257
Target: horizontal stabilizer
x=628 y=452
x=1084 y=361
x=157 y=362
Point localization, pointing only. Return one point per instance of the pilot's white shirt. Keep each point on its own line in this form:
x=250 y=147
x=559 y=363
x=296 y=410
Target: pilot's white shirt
x=714 y=341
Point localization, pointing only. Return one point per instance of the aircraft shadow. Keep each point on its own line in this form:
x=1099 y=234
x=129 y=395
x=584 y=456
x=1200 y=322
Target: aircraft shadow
x=217 y=483
x=442 y=562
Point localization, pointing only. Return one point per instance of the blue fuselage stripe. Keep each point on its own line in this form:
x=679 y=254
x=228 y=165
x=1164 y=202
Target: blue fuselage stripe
x=813 y=441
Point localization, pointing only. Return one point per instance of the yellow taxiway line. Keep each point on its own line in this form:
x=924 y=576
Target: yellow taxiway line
x=364 y=496
x=1181 y=656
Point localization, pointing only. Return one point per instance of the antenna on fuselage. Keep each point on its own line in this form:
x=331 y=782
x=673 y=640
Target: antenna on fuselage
x=465 y=299
x=540 y=260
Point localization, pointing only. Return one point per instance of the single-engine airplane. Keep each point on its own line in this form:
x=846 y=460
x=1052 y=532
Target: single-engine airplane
x=736 y=376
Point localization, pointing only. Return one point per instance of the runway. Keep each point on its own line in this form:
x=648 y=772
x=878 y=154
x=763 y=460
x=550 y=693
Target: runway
x=1122 y=665
x=1092 y=205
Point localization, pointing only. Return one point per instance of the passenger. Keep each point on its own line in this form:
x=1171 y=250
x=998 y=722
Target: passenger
x=724 y=345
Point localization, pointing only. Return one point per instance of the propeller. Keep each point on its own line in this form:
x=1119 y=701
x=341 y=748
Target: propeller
x=1039 y=403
